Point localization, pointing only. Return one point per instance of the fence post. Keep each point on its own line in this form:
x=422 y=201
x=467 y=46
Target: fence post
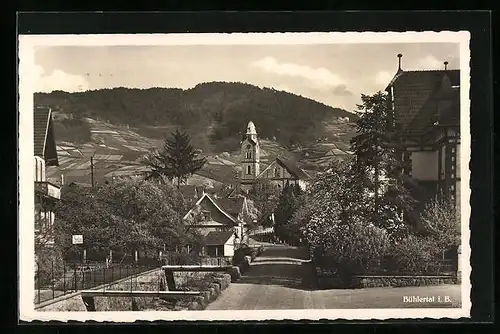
x=64 y=279
x=74 y=277
x=104 y=276
x=38 y=282
x=130 y=283
x=112 y=273
x=52 y=277
x=83 y=279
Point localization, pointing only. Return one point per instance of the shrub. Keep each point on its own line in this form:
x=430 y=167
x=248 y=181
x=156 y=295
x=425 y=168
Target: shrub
x=181 y=258
x=240 y=253
x=352 y=249
x=413 y=255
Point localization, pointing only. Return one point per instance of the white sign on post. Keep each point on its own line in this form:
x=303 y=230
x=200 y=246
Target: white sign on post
x=77 y=239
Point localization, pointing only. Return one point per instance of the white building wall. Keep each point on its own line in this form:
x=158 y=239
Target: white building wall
x=424 y=165
x=229 y=247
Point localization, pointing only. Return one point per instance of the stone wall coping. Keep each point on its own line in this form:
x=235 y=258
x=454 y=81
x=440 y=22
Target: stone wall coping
x=405 y=276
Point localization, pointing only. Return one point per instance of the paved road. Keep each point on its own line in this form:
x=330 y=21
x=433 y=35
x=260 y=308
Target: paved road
x=282 y=278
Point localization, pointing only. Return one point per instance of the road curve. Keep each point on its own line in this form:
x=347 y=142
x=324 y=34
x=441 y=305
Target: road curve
x=283 y=278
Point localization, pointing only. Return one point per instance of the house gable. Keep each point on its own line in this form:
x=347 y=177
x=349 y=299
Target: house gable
x=217 y=214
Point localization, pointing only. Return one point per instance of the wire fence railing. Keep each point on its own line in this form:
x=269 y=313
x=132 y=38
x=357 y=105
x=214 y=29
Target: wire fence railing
x=57 y=281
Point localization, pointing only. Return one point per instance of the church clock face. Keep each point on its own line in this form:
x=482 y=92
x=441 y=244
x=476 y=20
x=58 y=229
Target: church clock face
x=248 y=146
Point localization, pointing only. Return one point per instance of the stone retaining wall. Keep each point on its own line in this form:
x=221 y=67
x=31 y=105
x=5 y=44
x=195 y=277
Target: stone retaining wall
x=357 y=282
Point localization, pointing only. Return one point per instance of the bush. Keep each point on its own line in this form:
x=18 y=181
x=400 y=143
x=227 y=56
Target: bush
x=50 y=265
x=412 y=255
x=352 y=249
x=240 y=253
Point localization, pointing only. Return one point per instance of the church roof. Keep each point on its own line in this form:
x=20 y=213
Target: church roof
x=292 y=168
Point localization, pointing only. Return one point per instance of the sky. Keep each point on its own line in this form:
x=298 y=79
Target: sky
x=334 y=74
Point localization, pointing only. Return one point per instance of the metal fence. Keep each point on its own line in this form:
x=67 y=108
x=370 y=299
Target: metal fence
x=53 y=282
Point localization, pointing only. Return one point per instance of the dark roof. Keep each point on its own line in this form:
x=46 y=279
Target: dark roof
x=233 y=206
x=292 y=168
x=416 y=96
x=40 y=125
x=43 y=135
x=217 y=238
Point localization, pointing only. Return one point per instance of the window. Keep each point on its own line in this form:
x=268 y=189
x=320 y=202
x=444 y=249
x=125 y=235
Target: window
x=249 y=155
x=249 y=170
x=207 y=215
x=277 y=172
x=36 y=169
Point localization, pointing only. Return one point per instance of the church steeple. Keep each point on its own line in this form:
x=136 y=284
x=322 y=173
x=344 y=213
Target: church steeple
x=251 y=131
x=250 y=156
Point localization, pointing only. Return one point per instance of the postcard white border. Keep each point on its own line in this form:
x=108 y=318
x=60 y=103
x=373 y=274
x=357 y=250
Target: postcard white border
x=27 y=43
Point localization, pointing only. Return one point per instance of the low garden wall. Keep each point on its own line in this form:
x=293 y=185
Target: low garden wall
x=333 y=281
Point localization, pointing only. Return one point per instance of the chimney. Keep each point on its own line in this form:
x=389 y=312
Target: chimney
x=445 y=65
x=399 y=62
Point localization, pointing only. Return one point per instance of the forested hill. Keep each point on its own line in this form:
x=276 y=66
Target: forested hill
x=215 y=112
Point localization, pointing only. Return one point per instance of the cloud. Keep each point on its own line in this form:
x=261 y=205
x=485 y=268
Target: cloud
x=430 y=63
x=319 y=77
x=58 y=80
x=383 y=78
x=342 y=90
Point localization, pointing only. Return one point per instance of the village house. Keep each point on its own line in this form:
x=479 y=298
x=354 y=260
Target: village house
x=45 y=155
x=221 y=223
x=426 y=107
x=279 y=172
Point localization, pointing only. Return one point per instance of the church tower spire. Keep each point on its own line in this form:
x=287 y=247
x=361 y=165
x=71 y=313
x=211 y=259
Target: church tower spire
x=250 y=157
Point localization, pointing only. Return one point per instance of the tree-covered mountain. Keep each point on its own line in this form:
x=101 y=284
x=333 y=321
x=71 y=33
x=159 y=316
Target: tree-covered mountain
x=215 y=113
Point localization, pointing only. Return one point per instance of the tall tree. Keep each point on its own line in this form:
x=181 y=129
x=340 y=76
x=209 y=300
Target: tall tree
x=177 y=159
x=265 y=197
x=379 y=165
x=289 y=203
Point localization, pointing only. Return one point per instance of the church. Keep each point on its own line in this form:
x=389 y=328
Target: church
x=279 y=172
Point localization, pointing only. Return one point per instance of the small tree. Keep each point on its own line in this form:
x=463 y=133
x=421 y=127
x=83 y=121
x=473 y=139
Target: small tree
x=265 y=197
x=177 y=159
x=441 y=221
x=288 y=204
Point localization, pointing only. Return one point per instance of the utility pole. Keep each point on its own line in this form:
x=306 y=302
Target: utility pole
x=92 y=170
